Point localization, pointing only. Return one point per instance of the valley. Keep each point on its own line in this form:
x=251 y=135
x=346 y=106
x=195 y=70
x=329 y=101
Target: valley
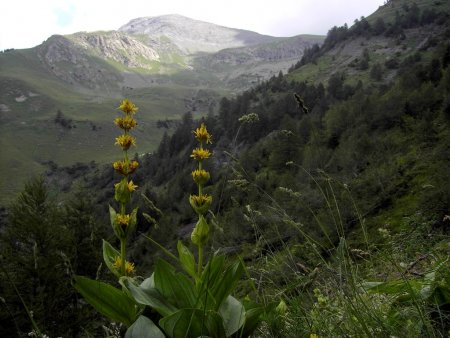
x=168 y=65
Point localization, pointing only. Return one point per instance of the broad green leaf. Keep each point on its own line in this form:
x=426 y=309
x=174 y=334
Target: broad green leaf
x=219 y=281
x=148 y=282
x=227 y=282
x=187 y=260
x=151 y=297
x=109 y=256
x=193 y=323
x=177 y=288
x=106 y=299
x=233 y=315
x=144 y=328
x=211 y=276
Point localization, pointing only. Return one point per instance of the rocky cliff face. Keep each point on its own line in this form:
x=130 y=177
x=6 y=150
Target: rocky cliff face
x=116 y=46
x=74 y=64
x=284 y=49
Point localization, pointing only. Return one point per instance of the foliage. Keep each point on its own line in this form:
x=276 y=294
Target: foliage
x=169 y=303
x=41 y=246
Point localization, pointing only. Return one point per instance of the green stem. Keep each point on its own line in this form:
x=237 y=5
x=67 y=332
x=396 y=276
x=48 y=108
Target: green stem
x=200 y=260
x=122 y=256
x=200 y=247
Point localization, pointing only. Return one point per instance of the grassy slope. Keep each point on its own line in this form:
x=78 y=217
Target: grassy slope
x=29 y=137
x=380 y=48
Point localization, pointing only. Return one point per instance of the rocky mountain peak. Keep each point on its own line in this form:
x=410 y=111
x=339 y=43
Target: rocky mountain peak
x=193 y=36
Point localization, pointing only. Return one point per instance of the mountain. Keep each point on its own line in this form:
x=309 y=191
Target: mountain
x=58 y=98
x=193 y=36
x=166 y=49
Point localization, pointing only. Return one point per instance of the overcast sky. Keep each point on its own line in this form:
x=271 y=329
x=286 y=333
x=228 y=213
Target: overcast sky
x=26 y=23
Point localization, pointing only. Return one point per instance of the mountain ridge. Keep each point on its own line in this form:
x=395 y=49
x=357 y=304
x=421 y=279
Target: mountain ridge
x=159 y=47
x=193 y=35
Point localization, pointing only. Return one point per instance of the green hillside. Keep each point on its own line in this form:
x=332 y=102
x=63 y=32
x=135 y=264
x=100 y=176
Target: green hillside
x=32 y=97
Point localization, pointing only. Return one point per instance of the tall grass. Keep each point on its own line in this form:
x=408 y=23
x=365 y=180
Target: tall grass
x=323 y=270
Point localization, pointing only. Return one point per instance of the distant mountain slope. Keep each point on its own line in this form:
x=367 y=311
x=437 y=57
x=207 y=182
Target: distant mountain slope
x=236 y=67
x=193 y=36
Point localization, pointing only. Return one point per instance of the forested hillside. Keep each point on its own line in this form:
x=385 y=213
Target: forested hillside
x=330 y=182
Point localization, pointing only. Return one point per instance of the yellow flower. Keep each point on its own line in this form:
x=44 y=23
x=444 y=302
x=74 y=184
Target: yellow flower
x=123 y=219
x=132 y=166
x=201 y=200
x=117 y=263
x=200 y=154
x=129 y=267
x=200 y=203
x=125 y=168
x=120 y=167
x=126 y=122
x=200 y=176
x=125 y=141
x=131 y=186
x=128 y=107
x=202 y=135
x=313 y=335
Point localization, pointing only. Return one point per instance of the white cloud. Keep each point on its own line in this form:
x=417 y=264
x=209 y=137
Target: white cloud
x=25 y=24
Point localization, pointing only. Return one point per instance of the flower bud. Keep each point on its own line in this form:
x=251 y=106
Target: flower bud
x=123 y=193
x=200 y=234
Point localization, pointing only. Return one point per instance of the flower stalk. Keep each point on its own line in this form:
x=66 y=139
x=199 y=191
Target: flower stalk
x=201 y=202
x=123 y=223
